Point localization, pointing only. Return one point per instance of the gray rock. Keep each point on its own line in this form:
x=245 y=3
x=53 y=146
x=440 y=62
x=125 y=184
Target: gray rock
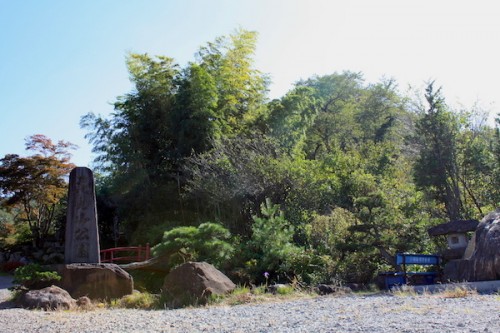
x=194 y=282
x=327 y=289
x=484 y=263
x=96 y=281
x=84 y=303
x=50 y=298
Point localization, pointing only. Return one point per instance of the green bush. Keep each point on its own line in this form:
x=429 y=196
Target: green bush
x=309 y=267
x=209 y=242
x=34 y=276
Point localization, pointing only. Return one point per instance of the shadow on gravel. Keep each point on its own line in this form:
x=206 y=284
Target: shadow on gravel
x=7 y=305
x=5 y=283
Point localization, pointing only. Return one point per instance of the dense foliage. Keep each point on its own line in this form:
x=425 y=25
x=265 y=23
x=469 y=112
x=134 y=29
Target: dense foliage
x=324 y=184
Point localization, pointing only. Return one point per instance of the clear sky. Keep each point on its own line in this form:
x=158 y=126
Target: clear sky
x=60 y=59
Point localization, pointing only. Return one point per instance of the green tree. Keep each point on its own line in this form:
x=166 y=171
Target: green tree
x=272 y=239
x=476 y=162
x=34 y=185
x=208 y=242
x=436 y=168
x=171 y=114
x=241 y=89
x=134 y=145
x=7 y=227
x=234 y=178
x=196 y=118
x=291 y=117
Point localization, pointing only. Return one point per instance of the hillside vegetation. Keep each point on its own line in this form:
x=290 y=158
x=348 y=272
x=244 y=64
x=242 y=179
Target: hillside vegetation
x=324 y=184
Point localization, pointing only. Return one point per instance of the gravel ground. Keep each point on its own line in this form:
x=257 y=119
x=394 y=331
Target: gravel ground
x=381 y=313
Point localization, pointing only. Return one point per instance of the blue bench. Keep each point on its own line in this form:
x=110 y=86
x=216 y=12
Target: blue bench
x=417 y=259
x=405 y=259
x=391 y=279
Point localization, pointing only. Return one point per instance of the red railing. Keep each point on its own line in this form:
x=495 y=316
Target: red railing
x=126 y=254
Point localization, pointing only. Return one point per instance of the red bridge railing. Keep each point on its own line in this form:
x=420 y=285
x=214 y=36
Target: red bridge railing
x=126 y=254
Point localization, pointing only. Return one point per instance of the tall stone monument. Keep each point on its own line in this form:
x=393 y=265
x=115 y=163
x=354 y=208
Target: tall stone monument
x=82 y=236
x=83 y=274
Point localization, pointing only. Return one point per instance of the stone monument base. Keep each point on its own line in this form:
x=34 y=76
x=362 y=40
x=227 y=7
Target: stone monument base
x=96 y=281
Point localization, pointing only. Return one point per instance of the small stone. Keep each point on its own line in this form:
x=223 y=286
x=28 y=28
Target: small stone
x=50 y=298
x=84 y=302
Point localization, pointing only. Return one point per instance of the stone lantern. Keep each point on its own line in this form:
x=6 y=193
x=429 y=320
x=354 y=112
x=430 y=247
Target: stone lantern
x=456 y=235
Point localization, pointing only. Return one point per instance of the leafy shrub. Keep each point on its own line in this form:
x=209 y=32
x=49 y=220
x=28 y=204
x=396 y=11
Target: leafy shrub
x=208 y=242
x=328 y=233
x=35 y=276
x=309 y=267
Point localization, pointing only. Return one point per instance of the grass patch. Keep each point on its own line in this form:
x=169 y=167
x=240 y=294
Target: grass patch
x=285 y=290
x=241 y=295
x=138 y=300
x=245 y=295
x=448 y=292
x=458 y=292
x=404 y=291
x=260 y=290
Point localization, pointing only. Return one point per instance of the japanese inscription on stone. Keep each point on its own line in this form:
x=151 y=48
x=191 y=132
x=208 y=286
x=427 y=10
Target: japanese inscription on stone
x=82 y=237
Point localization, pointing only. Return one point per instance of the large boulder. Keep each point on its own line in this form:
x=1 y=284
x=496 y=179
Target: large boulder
x=194 y=282
x=50 y=298
x=96 y=281
x=484 y=262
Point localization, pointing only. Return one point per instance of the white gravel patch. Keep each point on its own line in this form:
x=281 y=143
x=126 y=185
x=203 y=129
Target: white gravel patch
x=381 y=313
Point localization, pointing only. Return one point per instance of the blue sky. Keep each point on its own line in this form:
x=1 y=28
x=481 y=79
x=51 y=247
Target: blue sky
x=62 y=59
